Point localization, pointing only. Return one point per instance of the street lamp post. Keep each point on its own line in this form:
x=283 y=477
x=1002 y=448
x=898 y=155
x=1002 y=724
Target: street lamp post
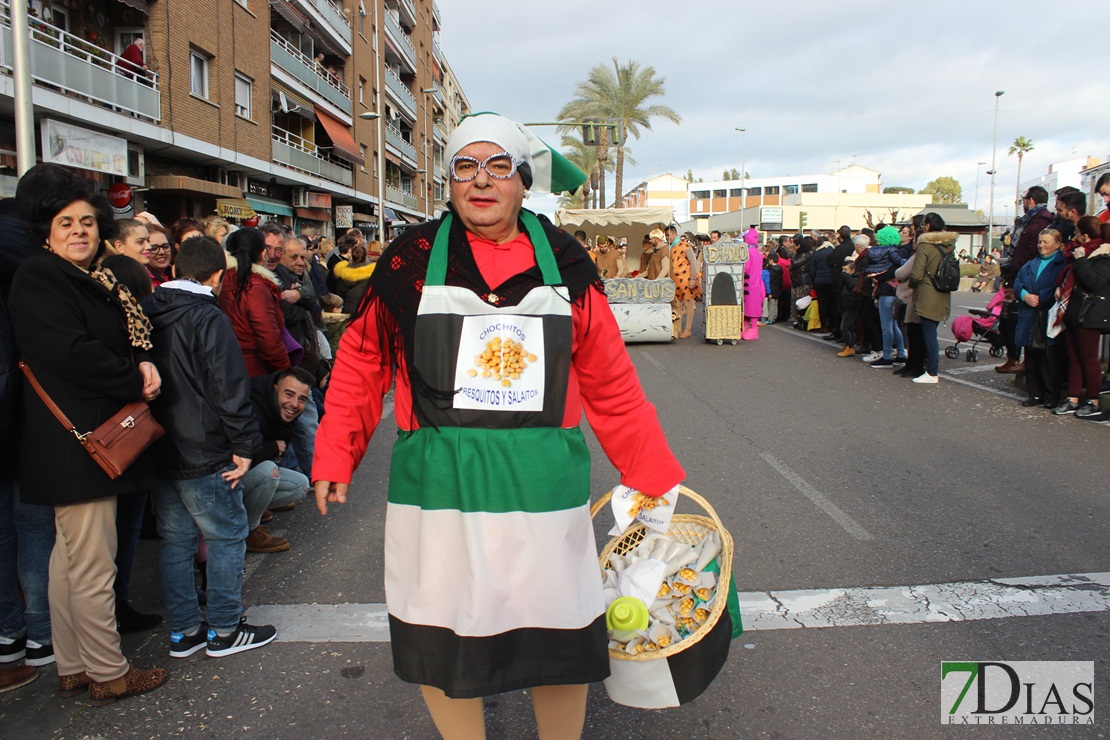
x=428 y=92
x=977 y=166
x=994 y=151
x=743 y=169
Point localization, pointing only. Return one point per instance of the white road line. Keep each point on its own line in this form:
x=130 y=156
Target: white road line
x=972 y=369
x=850 y=525
x=941 y=602
x=652 y=360
x=962 y=601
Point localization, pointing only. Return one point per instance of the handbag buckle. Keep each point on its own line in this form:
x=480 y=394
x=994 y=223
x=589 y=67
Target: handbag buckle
x=129 y=422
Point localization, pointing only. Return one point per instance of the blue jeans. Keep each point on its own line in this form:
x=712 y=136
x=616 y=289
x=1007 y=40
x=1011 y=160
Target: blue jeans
x=932 y=346
x=26 y=541
x=267 y=486
x=304 y=436
x=892 y=335
x=211 y=506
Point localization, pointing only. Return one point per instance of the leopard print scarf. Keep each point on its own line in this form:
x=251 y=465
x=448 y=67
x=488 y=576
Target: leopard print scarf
x=138 y=325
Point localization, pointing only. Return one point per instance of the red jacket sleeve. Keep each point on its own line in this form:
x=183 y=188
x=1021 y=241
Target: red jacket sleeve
x=617 y=410
x=267 y=321
x=359 y=381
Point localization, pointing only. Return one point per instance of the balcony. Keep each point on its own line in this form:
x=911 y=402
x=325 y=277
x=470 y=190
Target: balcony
x=401 y=41
x=68 y=63
x=401 y=92
x=403 y=148
x=289 y=58
x=408 y=7
x=329 y=19
x=293 y=151
x=400 y=196
x=437 y=19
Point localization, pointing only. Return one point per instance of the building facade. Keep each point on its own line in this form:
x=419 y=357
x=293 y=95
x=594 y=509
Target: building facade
x=713 y=198
x=245 y=108
x=661 y=191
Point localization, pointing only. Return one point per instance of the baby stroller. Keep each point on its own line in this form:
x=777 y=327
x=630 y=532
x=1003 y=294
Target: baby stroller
x=982 y=324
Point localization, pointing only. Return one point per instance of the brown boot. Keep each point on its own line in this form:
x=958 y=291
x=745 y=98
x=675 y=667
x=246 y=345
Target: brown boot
x=12 y=678
x=136 y=681
x=262 y=541
x=73 y=685
x=1005 y=366
x=1017 y=368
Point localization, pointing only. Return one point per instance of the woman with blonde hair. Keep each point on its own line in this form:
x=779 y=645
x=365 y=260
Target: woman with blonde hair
x=217 y=228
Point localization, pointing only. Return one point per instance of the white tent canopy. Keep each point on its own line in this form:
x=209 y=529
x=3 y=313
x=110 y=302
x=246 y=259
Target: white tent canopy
x=627 y=223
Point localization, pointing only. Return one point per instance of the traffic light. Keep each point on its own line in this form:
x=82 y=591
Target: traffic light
x=803 y=219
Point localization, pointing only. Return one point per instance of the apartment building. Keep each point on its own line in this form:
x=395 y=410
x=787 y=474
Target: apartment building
x=247 y=108
x=712 y=198
x=666 y=191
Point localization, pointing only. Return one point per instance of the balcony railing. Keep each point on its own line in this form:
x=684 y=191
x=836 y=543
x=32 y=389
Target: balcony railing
x=409 y=8
x=400 y=196
x=337 y=24
x=293 y=151
x=393 y=82
x=400 y=40
x=436 y=17
x=319 y=80
x=68 y=63
x=394 y=139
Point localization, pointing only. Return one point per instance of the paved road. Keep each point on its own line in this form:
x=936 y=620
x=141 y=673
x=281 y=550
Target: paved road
x=830 y=476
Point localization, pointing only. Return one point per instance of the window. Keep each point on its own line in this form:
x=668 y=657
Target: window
x=755 y=191
x=361 y=90
x=790 y=189
x=243 y=91
x=58 y=15
x=810 y=188
x=362 y=18
x=735 y=192
x=362 y=148
x=699 y=193
x=718 y=193
x=198 y=74
x=771 y=190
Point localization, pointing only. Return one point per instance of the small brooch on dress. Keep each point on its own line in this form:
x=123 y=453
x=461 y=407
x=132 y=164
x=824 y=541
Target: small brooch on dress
x=492 y=298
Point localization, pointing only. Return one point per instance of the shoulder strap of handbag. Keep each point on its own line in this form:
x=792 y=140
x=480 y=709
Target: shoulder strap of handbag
x=46 y=399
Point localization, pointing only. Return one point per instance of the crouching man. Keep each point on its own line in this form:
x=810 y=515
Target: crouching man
x=211 y=434
x=279 y=400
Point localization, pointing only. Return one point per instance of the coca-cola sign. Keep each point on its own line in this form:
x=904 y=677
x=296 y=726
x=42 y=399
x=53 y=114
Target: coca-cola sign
x=119 y=195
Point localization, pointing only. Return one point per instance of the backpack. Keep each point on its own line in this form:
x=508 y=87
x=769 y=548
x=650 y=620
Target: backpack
x=946 y=279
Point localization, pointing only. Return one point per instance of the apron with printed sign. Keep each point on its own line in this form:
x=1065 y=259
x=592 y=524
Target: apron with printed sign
x=491 y=579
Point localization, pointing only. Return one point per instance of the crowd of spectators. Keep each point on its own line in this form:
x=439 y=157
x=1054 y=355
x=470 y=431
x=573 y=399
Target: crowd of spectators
x=221 y=330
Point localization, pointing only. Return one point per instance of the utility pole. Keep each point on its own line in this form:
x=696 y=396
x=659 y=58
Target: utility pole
x=994 y=151
x=24 y=105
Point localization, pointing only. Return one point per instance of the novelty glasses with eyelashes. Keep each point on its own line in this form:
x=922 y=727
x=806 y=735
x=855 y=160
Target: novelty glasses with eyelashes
x=500 y=166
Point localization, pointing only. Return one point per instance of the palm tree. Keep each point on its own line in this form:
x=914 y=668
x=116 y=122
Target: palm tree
x=618 y=96
x=584 y=157
x=1020 y=146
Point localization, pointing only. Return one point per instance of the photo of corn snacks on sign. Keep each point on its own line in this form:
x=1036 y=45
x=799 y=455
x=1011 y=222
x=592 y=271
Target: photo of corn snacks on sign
x=500 y=366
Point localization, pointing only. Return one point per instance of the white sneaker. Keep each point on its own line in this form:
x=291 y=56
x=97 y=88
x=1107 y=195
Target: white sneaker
x=926 y=378
x=872 y=357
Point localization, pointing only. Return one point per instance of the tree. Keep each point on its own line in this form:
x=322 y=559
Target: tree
x=944 y=190
x=689 y=175
x=619 y=96
x=725 y=176
x=897 y=189
x=1020 y=146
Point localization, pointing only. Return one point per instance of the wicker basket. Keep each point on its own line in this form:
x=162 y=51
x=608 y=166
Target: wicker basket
x=687 y=528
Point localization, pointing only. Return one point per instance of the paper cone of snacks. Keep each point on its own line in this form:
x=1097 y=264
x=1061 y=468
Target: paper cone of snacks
x=693 y=618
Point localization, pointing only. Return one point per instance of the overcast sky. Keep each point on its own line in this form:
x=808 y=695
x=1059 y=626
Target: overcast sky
x=906 y=89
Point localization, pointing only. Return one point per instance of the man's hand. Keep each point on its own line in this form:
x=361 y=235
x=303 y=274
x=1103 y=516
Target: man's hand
x=152 y=381
x=1033 y=299
x=281 y=446
x=327 y=491
x=242 y=465
x=291 y=296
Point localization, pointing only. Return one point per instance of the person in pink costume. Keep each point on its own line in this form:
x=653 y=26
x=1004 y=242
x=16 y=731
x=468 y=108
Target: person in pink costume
x=751 y=236
x=754 y=293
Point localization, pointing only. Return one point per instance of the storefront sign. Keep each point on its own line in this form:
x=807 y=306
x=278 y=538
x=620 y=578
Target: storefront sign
x=319 y=200
x=344 y=217
x=119 y=195
x=770 y=219
x=79 y=147
x=639 y=290
x=254 y=187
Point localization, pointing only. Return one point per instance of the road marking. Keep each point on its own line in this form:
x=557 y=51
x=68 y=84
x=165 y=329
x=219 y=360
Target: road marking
x=850 y=525
x=996 y=598
x=961 y=601
x=652 y=360
x=970 y=369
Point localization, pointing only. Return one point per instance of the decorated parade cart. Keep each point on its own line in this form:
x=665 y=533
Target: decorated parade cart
x=723 y=274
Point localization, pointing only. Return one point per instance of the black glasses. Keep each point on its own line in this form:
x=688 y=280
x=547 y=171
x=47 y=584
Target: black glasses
x=161 y=248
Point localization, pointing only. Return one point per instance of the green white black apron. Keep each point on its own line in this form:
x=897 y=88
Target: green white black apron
x=491 y=572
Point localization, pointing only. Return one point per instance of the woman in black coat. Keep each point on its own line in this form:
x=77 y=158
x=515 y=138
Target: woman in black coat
x=85 y=339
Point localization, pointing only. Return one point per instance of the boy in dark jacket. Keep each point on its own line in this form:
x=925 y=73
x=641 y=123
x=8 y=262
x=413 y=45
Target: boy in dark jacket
x=210 y=437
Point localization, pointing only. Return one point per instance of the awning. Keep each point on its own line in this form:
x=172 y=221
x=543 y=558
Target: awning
x=286 y=10
x=342 y=142
x=184 y=184
x=313 y=214
x=411 y=219
x=364 y=217
x=290 y=102
x=391 y=215
x=140 y=5
x=273 y=209
x=234 y=208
